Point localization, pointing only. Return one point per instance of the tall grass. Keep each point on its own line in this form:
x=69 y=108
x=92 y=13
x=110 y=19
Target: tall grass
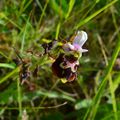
x=27 y=26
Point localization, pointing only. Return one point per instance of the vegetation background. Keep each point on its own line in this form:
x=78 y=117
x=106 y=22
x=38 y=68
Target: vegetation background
x=27 y=25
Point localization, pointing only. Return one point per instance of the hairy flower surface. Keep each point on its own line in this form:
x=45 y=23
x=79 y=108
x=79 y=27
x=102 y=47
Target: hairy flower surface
x=65 y=68
x=67 y=63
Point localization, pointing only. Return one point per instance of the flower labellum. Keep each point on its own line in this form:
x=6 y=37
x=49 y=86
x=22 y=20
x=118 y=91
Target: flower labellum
x=67 y=63
x=65 y=67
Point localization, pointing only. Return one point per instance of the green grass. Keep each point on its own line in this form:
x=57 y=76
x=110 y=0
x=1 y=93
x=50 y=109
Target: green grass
x=26 y=26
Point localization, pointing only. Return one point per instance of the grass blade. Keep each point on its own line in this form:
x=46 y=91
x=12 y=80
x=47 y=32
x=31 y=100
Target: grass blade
x=6 y=65
x=92 y=110
x=9 y=75
x=71 y=4
x=19 y=98
x=57 y=30
x=113 y=97
x=2 y=15
x=94 y=14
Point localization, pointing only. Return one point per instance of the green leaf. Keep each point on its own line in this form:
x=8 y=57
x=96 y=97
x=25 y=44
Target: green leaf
x=83 y=104
x=94 y=14
x=116 y=82
x=9 y=75
x=71 y=4
x=6 y=65
x=9 y=95
x=51 y=94
x=60 y=10
x=53 y=116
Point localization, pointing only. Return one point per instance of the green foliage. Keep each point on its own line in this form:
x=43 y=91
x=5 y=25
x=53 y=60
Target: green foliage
x=53 y=116
x=27 y=27
x=83 y=104
x=9 y=95
x=12 y=66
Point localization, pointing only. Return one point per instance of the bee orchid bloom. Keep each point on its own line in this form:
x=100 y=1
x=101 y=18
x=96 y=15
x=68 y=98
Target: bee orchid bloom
x=67 y=63
x=78 y=41
x=65 y=67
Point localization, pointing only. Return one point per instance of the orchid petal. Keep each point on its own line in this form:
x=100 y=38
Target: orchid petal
x=80 y=38
x=68 y=46
x=71 y=46
x=84 y=50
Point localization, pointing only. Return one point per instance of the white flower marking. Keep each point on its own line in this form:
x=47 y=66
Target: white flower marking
x=79 y=40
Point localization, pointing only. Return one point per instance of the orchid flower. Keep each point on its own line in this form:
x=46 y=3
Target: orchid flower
x=67 y=63
x=78 y=42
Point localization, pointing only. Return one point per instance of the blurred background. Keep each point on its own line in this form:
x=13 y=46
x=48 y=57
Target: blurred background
x=28 y=88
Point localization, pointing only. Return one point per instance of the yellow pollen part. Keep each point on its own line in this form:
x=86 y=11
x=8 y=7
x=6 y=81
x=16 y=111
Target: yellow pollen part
x=63 y=80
